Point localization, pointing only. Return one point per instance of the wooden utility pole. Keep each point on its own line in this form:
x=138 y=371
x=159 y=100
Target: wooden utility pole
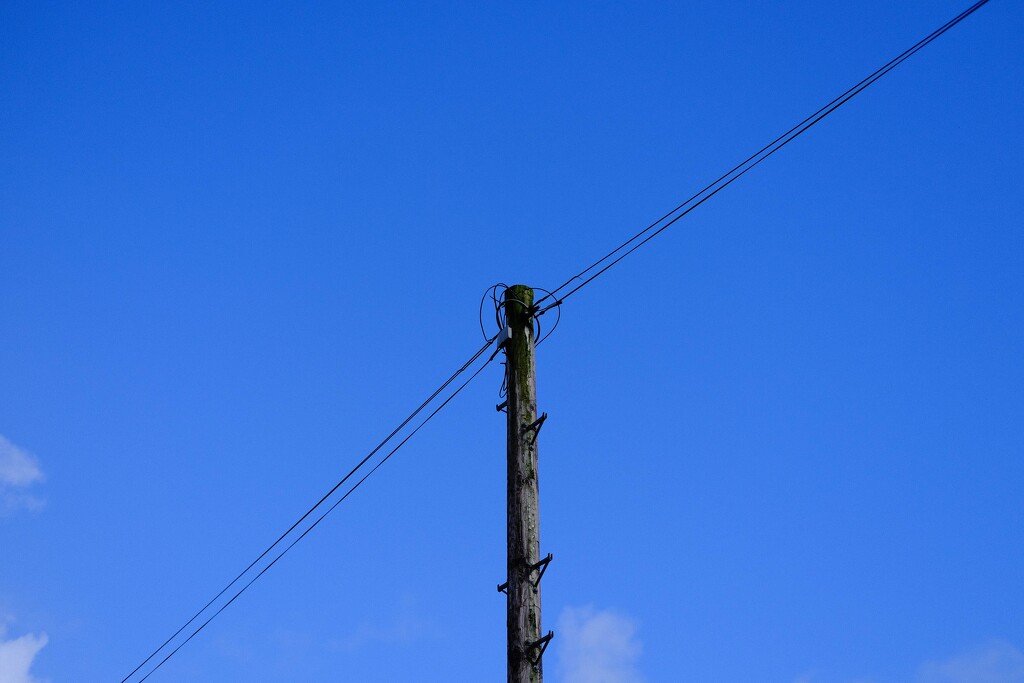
x=525 y=567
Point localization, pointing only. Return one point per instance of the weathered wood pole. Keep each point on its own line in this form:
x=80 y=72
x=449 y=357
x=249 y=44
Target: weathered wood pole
x=524 y=665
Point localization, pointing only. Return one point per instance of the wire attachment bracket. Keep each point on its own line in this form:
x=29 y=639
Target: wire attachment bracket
x=541 y=645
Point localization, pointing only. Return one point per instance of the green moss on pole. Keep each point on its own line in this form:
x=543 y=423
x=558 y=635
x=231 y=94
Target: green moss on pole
x=518 y=301
x=524 y=614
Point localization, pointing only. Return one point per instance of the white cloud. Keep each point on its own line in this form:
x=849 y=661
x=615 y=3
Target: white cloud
x=996 y=662
x=597 y=647
x=403 y=630
x=17 y=655
x=404 y=627
x=19 y=470
x=812 y=677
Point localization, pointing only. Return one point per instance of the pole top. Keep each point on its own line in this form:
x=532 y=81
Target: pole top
x=521 y=294
x=518 y=301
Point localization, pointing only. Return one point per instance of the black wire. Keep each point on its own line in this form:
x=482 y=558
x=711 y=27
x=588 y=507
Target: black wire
x=503 y=390
x=731 y=176
x=547 y=294
x=497 y=307
x=754 y=159
x=321 y=517
x=308 y=512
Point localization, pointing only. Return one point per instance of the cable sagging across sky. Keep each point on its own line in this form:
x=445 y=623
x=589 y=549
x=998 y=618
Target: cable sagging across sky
x=444 y=385
x=740 y=169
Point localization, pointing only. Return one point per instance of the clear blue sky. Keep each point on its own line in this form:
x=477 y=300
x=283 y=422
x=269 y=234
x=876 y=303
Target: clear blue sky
x=240 y=241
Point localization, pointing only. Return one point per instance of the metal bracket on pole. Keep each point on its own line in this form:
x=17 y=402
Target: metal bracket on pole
x=500 y=340
x=540 y=645
x=535 y=426
x=501 y=407
x=503 y=336
x=540 y=567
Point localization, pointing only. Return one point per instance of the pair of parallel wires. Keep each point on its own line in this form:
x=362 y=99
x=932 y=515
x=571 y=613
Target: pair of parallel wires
x=584 y=278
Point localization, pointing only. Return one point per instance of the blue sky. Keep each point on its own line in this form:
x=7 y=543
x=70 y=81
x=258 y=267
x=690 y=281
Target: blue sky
x=239 y=242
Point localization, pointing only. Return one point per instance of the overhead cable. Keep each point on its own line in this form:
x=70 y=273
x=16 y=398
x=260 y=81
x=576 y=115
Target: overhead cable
x=310 y=511
x=740 y=169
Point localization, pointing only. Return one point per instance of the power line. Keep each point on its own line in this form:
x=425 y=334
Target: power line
x=747 y=164
x=310 y=511
x=671 y=217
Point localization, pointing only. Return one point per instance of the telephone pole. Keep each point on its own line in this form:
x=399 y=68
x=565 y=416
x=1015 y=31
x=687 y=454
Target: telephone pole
x=525 y=567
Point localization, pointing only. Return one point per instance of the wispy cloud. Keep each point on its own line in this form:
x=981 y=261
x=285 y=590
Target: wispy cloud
x=401 y=631
x=19 y=471
x=597 y=647
x=995 y=662
x=405 y=626
x=812 y=677
x=17 y=655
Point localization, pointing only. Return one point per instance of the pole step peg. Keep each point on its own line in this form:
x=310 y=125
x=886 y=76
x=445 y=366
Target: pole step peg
x=540 y=646
x=540 y=568
x=535 y=426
